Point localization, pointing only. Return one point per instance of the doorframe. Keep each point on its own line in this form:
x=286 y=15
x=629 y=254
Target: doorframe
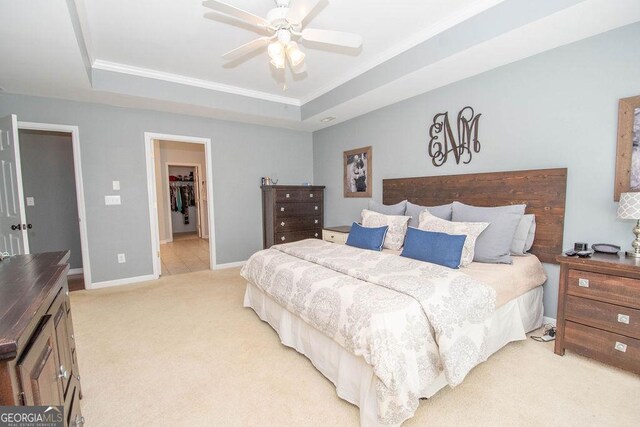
x=149 y=137
x=196 y=166
x=77 y=169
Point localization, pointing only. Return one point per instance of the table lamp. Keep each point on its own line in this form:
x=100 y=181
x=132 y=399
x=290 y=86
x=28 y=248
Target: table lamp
x=629 y=208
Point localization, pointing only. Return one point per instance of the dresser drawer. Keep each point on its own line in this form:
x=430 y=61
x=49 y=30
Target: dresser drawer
x=602 y=287
x=294 y=236
x=284 y=210
x=296 y=223
x=614 y=318
x=334 y=237
x=298 y=195
x=614 y=349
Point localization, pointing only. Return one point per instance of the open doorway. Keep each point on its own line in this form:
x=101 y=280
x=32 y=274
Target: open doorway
x=51 y=183
x=181 y=205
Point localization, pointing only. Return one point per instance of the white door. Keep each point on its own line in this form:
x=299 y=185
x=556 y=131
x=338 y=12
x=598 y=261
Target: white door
x=13 y=230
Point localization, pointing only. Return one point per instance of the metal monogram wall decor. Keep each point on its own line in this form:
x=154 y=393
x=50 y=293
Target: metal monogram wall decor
x=443 y=141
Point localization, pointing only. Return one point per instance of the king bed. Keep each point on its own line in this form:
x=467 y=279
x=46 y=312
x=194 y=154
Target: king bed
x=388 y=330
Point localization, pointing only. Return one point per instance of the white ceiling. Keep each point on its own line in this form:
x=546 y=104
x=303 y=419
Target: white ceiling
x=170 y=41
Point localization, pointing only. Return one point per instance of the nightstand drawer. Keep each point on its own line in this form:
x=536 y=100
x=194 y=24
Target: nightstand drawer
x=614 y=318
x=614 y=349
x=602 y=287
x=334 y=237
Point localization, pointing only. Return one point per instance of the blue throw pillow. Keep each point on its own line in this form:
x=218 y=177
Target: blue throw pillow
x=367 y=237
x=430 y=246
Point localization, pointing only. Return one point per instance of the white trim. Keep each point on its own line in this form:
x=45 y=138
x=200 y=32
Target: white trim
x=149 y=137
x=15 y=128
x=165 y=241
x=229 y=265
x=548 y=320
x=403 y=46
x=77 y=167
x=75 y=271
x=125 y=281
x=115 y=67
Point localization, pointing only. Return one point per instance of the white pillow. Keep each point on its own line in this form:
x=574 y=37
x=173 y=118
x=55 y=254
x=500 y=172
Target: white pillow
x=472 y=230
x=397 y=227
x=523 y=238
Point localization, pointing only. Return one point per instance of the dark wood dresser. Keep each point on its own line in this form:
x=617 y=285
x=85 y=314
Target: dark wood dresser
x=599 y=309
x=38 y=361
x=291 y=213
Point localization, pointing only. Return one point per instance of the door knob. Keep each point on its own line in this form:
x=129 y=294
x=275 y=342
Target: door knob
x=16 y=227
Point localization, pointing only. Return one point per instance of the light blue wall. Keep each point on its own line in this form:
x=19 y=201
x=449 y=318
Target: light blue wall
x=112 y=148
x=557 y=109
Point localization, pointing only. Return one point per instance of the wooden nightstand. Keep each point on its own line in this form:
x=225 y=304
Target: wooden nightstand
x=599 y=309
x=337 y=234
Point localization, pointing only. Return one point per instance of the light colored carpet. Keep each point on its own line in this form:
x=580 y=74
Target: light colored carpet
x=183 y=351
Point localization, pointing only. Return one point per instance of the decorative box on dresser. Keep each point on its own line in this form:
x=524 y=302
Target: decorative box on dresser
x=291 y=213
x=38 y=360
x=599 y=309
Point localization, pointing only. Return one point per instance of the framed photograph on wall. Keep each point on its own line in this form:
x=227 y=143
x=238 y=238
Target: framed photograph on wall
x=357 y=172
x=628 y=151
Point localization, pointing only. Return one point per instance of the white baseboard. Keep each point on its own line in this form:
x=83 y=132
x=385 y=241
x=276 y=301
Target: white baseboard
x=549 y=320
x=75 y=271
x=120 y=282
x=229 y=265
x=165 y=241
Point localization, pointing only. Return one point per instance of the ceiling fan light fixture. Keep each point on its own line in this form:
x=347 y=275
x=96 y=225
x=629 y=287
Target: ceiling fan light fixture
x=276 y=51
x=296 y=56
x=278 y=62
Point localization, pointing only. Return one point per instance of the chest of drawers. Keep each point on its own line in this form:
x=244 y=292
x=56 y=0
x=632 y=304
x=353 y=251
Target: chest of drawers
x=599 y=309
x=291 y=213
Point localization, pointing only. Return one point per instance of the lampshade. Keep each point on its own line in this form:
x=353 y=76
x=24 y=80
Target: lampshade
x=629 y=206
x=296 y=56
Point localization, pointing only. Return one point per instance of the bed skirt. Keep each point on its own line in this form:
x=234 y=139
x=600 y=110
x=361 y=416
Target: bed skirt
x=352 y=376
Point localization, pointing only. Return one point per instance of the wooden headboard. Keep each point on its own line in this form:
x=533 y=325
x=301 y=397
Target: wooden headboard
x=543 y=191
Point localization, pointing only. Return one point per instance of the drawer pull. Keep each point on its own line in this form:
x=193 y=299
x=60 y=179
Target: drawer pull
x=282 y=223
x=316 y=234
x=79 y=420
x=281 y=209
x=623 y=318
x=315 y=207
x=311 y=195
x=63 y=373
x=77 y=377
x=333 y=237
x=620 y=347
x=315 y=222
x=283 y=238
x=287 y=195
x=583 y=283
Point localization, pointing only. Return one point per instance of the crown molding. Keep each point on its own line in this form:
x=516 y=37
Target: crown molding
x=115 y=67
x=403 y=46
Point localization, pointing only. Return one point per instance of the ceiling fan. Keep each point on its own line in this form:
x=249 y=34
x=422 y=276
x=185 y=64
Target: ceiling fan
x=282 y=26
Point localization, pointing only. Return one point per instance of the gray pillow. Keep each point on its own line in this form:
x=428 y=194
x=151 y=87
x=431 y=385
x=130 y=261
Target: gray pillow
x=397 y=209
x=494 y=244
x=521 y=238
x=441 y=211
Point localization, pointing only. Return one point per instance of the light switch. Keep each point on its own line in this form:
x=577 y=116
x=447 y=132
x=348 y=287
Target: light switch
x=30 y=201
x=111 y=200
x=116 y=185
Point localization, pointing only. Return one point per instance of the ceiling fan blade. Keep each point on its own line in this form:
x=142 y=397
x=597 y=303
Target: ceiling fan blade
x=247 y=48
x=332 y=37
x=240 y=14
x=300 y=10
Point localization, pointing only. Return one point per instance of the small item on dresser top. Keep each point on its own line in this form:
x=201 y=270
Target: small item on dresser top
x=606 y=248
x=584 y=254
x=629 y=208
x=578 y=246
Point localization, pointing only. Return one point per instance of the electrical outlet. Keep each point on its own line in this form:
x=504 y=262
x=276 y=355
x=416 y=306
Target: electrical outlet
x=121 y=258
x=30 y=201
